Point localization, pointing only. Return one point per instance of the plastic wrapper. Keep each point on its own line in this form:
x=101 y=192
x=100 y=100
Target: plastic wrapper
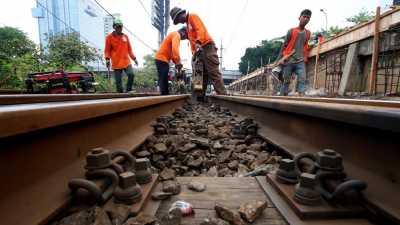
x=185 y=208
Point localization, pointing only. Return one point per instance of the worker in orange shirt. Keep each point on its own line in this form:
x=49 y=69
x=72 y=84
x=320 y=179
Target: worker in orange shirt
x=199 y=38
x=293 y=55
x=119 y=50
x=169 y=51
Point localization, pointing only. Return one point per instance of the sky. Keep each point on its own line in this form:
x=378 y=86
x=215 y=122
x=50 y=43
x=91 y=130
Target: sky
x=237 y=24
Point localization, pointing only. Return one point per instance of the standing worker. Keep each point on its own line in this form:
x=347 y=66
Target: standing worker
x=199 y=37
x=169 y=51
x=294 y=54
x=119 y=50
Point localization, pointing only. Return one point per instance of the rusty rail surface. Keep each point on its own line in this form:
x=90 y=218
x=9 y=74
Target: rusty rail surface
x=366 y=134
x=41 y=98
x=43 y=146
x=11 y=91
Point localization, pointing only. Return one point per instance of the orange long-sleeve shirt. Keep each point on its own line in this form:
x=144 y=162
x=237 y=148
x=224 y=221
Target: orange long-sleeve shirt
x=169 y=49
x=118 y=49
x=197 y=32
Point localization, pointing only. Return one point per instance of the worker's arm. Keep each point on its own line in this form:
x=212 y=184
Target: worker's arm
x=176 y=40
x=306 y=47
x=133 y=57
x=192 y=46
x=198 y=28
x=285 y=43
x=107 y=51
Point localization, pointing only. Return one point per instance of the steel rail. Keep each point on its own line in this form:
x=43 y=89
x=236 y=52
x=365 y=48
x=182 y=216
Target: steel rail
x=365 y=135
x=365 y=102
x=44 y=145
x=12 y=99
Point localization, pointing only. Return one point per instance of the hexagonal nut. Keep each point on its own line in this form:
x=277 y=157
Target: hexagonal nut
x=142 y=164
x=127 y=179
x=329 y=159
x=98 y=158
x=286 y=165
x=308 y=180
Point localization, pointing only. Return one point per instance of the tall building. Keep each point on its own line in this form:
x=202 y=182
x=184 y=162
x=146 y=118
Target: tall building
x=108 y=23
x=64 y=16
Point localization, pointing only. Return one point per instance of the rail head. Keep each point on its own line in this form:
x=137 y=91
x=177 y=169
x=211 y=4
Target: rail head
x=384 y=115
x=24 y=118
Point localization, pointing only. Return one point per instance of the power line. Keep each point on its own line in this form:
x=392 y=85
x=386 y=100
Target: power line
x=141 y=3
x=134 y=35
x=65 y=23
x=237 y=24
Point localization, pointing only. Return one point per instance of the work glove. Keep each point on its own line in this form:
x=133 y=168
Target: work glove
x=136 y=62
x=108 y=63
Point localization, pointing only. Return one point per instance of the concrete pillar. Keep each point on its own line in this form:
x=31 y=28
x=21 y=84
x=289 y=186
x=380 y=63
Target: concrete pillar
x=350 y=68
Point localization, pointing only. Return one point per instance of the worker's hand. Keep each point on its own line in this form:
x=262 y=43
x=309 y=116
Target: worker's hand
x=136 y=62
x=108 y=63
x=198 y=46
x=178 y=66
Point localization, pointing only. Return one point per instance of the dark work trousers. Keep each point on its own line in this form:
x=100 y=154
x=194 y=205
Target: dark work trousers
x=211 y=64
x=162 y=69
x=118 y=78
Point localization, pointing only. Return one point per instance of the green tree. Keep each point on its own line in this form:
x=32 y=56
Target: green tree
x=147 y=77
x=361 y=17
x=255 y=57
x=332 y=31
x=67 y=50
x=18 y=56
x=14 y=43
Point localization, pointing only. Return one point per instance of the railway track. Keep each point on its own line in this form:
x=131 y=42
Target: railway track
x=44 y=143
x=14 y=99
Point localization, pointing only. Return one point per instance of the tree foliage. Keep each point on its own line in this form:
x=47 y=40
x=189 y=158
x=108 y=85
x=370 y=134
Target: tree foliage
x=14 y=43
x=260 y=55
x=147 y=77
x=67 y=50
x=18 y=56
x=332 y=31
x=361 y=17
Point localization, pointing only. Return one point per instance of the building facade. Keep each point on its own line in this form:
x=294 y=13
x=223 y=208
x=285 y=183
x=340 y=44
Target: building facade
x=65 y=16
x=108 y=23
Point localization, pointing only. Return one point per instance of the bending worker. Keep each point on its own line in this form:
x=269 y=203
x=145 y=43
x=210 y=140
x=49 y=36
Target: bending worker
x=198 y=36
x=119 y=50
x=169 y=51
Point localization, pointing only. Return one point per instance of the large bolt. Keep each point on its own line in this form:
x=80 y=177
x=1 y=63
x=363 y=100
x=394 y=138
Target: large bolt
x=142 y=164
x=329 y=160
x=143 y=175
x=286 y=172
x=305 y=192
x=98 y=158
x=129 y=191
x=308 y=180
x=286 y=164
x=127 y=179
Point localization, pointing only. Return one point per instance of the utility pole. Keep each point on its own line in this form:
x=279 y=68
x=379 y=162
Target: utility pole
x=248 y=66
x=326 y=19
x=160 y=17
x=221 y=50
